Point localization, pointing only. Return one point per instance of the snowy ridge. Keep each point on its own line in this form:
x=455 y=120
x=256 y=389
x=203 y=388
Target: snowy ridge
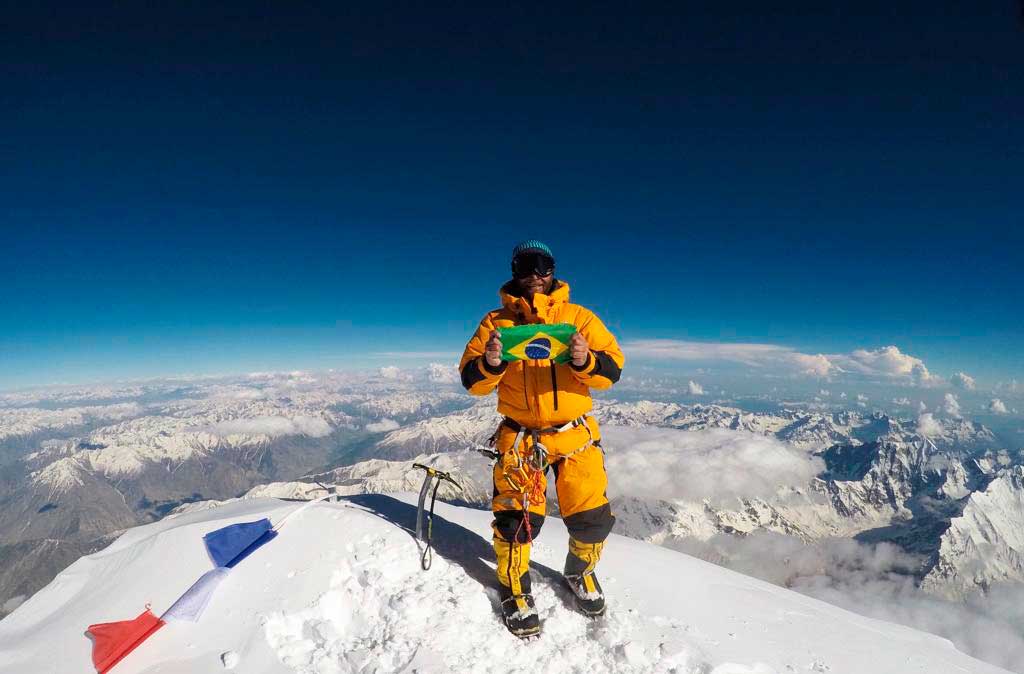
x=807 y=430
x=60 y=476
x=127 y=447
x=820 y=431
x=341 y=590
x=29 y=421
x=461 y=430
x=985 y=545
x=470 y=469
x=963 y=434
x=407 y=404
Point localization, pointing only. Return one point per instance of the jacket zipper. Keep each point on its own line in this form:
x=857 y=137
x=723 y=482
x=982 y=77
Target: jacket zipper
x=526 y=388
x=554 y=384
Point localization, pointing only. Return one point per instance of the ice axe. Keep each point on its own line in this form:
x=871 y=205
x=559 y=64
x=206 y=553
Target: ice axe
x=424 y=535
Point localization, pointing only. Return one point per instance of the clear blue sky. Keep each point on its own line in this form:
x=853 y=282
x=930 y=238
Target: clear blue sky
x=233 y=186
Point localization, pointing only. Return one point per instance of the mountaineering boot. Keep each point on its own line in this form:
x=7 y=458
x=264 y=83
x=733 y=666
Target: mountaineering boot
x=519 y=613
x=588 y=593
x=579 y=576
x=517 y=607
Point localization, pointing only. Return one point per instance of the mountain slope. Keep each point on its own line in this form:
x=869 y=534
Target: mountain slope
x=985 y=545
x=341 y=590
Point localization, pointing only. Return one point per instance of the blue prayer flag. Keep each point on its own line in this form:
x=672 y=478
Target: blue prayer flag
x=231 y=544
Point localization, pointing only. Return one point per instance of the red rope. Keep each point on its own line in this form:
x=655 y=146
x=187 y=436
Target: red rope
x=533 y=494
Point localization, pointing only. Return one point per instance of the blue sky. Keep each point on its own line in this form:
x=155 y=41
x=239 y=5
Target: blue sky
x=208 y=189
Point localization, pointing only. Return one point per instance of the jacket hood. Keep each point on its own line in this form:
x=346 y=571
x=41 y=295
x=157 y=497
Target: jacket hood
x=543 y=305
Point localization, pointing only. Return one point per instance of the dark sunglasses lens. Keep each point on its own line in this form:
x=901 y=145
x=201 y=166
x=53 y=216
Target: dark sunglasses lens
x=533 y=263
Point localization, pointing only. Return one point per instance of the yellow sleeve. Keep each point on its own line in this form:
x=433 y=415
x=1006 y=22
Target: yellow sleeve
x=605 y=360
x=478 y=377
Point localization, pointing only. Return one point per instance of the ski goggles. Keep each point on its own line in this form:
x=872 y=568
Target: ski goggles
x=525 y=264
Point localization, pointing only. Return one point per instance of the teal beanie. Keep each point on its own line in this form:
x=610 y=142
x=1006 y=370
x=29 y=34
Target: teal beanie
x=534 y=245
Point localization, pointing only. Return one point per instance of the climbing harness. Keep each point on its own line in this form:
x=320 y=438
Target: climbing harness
x=424 y=535
x=526 y=475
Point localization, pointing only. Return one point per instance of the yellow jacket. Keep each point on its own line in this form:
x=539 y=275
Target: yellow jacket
x=539 y=393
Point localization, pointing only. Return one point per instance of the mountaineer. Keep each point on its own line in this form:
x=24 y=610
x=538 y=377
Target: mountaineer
x=546 y=425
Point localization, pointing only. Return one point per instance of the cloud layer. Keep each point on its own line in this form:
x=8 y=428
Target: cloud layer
x=963 y=381
x=997 y=406
x=382 y=426
x=887 y=363
x=753 y=355
x=443 y=373
x=274 y=426
x=875 y=580
x=716 y=464
x=928 y=425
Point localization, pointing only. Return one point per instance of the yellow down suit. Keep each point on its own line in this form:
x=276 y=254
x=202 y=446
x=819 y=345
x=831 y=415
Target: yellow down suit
x=540 y=395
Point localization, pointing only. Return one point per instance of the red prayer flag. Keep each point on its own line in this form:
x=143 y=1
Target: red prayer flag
x=113 y=641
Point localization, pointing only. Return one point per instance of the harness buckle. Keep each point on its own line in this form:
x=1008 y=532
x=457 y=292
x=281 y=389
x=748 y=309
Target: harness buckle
x=539 y=455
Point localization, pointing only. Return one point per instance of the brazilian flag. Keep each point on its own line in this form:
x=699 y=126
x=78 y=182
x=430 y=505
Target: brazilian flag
x=537 y=342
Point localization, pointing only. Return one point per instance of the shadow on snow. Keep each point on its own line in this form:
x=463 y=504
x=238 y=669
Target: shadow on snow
x=457 y=544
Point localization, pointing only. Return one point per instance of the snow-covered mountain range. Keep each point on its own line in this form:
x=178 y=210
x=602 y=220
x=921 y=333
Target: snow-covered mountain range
x=882 y=480
x=713 y=479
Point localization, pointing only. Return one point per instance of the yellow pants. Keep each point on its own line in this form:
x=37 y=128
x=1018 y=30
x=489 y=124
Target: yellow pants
x=581 y=484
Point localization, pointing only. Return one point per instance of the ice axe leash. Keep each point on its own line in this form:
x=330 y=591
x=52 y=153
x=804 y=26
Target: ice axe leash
x=424 y=533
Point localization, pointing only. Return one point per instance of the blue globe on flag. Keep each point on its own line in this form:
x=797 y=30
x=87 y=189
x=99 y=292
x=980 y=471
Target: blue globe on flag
x=538 y=349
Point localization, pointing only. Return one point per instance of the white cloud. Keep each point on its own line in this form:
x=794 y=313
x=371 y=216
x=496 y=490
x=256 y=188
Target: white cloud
x=694 y=388
x=950 y=405
x=963 y=381
x=273 y=426
x=921 y=407
x=824 y=392
x=902 y=402
x=1012 y=386
x=997 y=406
x=237 y=393
x=887 y=362
x=443 y=374
x=286 y=378
x=786 y=560
x=753 y=355
x=715 y=464
x=390 y=372
x=861 y=398
x=928 y=425
x=382 y=426
x=816 y=365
